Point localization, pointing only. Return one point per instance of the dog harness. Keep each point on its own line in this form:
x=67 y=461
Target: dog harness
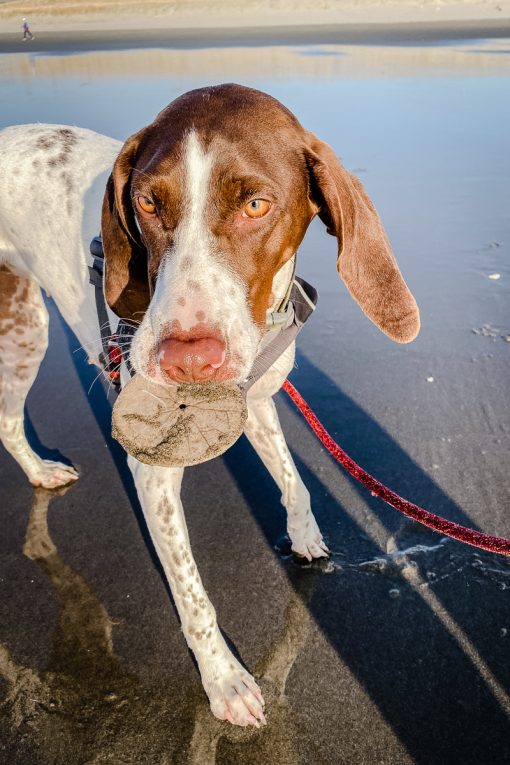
x=283 y=325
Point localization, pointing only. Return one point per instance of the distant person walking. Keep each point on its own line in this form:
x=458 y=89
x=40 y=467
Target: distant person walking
x=27 y=34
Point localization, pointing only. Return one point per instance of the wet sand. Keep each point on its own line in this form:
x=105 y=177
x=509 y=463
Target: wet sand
x=62 y=40
x=396 y=651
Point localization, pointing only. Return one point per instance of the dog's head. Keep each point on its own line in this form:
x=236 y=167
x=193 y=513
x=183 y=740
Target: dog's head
x=204 y=208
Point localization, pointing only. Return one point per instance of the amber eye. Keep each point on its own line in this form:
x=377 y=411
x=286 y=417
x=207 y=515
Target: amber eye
x=146 y=204
x=257 y=208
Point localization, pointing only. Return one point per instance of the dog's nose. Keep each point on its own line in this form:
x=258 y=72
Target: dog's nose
x=188 y=361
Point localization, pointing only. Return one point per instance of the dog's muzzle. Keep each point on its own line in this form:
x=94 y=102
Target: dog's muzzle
x=182 y=425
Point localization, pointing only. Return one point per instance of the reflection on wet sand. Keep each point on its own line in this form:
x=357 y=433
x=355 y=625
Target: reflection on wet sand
x=293 y=62
x=213 y=743
x=85 y=707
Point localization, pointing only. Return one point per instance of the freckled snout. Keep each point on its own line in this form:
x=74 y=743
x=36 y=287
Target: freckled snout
x=194 y=360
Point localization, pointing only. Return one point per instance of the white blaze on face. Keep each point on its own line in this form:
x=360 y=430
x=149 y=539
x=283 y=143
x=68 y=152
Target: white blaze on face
x=192 y=231
x=195 y=285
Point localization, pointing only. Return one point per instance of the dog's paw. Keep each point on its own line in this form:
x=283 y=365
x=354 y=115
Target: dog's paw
x=235 y=696
x=51 y=475
x=306 y=539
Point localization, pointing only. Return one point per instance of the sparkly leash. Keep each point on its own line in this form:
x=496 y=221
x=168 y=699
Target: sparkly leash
x=449 y=528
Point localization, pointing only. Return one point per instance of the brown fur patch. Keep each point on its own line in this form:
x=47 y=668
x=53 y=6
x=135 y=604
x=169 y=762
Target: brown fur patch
x=62 y=139
x=260 y=151
x=10 y=285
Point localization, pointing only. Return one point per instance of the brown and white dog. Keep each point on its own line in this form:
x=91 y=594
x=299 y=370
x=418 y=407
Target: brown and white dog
x=203 y=213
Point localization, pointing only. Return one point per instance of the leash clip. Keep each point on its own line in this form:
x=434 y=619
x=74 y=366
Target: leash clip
x=112 y=368
x=110 y=359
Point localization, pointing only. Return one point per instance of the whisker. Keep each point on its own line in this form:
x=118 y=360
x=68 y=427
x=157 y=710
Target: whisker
x=155 y=396
x=140 y=172
x=129 y=320
x=98 y=343
x=96 y=378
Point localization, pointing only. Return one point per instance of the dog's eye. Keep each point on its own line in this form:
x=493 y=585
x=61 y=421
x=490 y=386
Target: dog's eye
x=146 y=205
x=257 y=208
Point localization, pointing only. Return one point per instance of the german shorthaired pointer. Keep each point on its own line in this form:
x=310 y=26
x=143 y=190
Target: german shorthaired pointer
x=201 y=214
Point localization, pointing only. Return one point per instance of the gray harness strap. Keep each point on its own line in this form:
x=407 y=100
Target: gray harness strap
x=300 y=306
x=284 y=325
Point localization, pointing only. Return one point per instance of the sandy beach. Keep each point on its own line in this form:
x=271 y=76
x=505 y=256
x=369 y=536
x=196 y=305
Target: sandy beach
x=394 y=652
x=192 y=24
x=105 y=15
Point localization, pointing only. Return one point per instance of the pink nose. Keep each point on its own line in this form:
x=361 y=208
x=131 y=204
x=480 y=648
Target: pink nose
x=188 y=361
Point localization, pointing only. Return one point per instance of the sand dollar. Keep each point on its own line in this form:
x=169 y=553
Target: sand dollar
x=177 y=425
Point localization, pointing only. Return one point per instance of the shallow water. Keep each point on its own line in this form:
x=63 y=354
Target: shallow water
x=318 y=83
x=427 y=129
x=408 y=634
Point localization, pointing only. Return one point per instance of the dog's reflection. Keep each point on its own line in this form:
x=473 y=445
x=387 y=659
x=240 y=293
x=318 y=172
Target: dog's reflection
x=87 y=708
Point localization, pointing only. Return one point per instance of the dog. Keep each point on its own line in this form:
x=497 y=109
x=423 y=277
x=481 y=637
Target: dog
x=201 y=215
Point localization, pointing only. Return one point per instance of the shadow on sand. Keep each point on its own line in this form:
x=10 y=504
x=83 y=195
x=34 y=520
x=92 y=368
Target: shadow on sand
x=418 y=624
x=415 y=624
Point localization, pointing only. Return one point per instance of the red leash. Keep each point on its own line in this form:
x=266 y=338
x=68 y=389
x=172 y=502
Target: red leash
x=455 y=530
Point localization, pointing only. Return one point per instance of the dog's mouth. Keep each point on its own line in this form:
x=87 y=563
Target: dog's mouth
x=170 y=354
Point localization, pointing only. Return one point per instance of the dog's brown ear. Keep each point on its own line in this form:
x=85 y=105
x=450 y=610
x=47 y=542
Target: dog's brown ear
x=126 y=281
x=365 y=260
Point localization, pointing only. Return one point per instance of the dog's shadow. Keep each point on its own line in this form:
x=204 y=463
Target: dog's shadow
x=86 y=707
x=410 y=622
x=419 y=659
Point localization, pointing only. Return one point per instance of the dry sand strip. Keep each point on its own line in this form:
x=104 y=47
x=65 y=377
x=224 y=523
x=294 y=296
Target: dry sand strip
x=196 y=38
x=55 y=15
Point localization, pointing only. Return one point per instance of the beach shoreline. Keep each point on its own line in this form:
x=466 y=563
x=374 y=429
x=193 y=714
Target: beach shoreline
x=195 y=38
x=188 y=24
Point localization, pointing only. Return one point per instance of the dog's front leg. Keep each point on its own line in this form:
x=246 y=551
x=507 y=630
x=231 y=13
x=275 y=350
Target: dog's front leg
x=264 y=432
x=233 y=693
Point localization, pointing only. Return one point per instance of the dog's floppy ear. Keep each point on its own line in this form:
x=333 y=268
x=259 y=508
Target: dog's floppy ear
x=126 y=281
x=365 y=260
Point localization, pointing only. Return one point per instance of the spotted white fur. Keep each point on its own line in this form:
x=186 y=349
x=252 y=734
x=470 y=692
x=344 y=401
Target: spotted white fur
x=52 y=180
